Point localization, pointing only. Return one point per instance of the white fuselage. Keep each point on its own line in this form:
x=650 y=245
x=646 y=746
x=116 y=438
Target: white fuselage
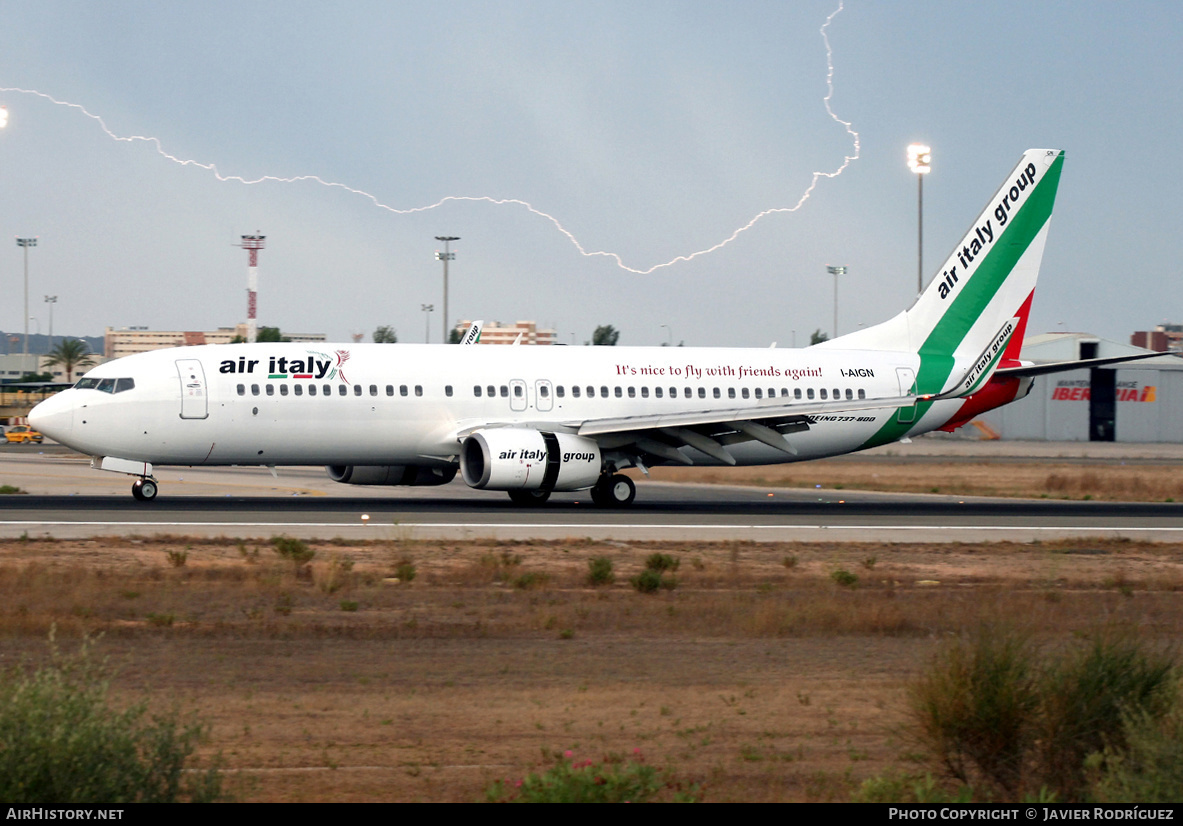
x=384 y=404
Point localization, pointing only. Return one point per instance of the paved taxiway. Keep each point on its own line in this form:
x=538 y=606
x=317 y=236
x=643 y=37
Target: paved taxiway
x=67 y=499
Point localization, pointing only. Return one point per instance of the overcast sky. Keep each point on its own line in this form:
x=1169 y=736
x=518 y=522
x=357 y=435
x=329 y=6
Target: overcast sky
x=651 y=130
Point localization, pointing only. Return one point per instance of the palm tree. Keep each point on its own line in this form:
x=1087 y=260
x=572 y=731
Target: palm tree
x=70 y=354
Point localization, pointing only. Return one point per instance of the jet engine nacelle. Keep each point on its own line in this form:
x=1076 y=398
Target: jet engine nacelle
x=518 y=458
x=415 y=475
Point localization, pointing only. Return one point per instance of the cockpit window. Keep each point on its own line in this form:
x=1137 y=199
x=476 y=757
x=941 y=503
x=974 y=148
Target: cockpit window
x=105 y=385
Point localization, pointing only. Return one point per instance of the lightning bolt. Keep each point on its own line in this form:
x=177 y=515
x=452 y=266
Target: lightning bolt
x=213 y=169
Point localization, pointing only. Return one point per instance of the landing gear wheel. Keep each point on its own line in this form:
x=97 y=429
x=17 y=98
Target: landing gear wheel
x=616 y=491
x=144 y=490
x=529 y=498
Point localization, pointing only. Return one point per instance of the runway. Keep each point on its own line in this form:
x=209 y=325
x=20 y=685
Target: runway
x=68 y=500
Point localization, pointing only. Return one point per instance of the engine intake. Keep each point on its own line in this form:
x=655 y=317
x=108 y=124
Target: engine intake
x=518 y=458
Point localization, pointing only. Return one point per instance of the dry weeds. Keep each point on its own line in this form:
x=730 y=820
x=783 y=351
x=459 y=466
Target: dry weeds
x=1036 y=480
x=763 y=679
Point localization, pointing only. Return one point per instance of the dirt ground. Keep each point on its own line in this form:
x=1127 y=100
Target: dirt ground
x=1046 y=478
x=423 y=671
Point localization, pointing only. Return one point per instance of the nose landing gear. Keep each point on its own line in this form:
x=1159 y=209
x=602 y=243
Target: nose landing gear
x=144 y=490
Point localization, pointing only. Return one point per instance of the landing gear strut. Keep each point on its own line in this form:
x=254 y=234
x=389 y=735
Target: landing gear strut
x=615 y=491
x=144 y=490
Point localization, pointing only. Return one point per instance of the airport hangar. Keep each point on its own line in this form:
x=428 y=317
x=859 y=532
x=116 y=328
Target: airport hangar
x=1138 y=401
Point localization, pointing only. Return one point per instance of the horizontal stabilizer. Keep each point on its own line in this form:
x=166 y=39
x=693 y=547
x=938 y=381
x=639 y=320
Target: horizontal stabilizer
x=1064 y=366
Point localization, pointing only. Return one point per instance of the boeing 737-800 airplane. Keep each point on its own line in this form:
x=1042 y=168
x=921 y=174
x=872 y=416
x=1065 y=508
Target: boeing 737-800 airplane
x=532 y=420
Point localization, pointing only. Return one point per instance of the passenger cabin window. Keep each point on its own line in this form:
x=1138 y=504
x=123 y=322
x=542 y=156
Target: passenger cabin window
x=575 y=391
x=298 y=389
x=418 y=390
x=448 y=390
x=745 y=393
x=517 y=391
x=862 y=394
x=809 y=393
x=702 y=392
x=271 y=390
x=402 y=390
x=254 y=389
x=476 y=391
x=559 y=391
x=849 y=393
x=390 y=390
x=312 y=390
x=656 y=392
x=796 y=392
x=283 y=390
x=342 y=390
x=632 y=392
x=619 y=392
x=492 y=391
x=759 y=393
x=357 y=389
x=242 y=389
x=543 y=391
x=603 y=391
x=823 y=392
x=373 y=390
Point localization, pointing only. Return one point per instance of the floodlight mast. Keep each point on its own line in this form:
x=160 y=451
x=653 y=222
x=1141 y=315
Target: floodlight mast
x=446 y=256
x=51 y=300
x=920 y=162
x=25 y=243
x=836 y=271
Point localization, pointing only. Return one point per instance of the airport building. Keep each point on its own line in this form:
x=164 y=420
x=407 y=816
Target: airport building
x=1132 y=402
x=1165 y=338
x=12 y=367
x=498 y=333
x=125 y=341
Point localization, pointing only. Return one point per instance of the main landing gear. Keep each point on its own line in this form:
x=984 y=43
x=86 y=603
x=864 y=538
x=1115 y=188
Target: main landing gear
x=614 y=491
x=144 y=490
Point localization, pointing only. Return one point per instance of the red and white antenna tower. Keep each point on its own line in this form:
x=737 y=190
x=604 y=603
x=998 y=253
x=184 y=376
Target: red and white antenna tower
x=252 y=244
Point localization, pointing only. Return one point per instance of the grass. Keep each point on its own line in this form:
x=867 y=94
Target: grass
x=758 y=680
x=998 y=713
x=65 y=743
x=1033 y=480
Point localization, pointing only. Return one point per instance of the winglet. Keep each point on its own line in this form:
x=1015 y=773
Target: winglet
x=474 y=333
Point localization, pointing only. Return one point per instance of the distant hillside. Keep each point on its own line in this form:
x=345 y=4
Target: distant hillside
x=40 y=343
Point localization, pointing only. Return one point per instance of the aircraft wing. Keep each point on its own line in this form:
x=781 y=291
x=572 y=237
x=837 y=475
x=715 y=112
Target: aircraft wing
x=710 y=431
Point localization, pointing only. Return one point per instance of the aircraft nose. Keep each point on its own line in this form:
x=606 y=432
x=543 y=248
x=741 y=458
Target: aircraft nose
x=54 y=417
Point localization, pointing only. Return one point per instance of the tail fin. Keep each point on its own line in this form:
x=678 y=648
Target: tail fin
x=987 y=280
